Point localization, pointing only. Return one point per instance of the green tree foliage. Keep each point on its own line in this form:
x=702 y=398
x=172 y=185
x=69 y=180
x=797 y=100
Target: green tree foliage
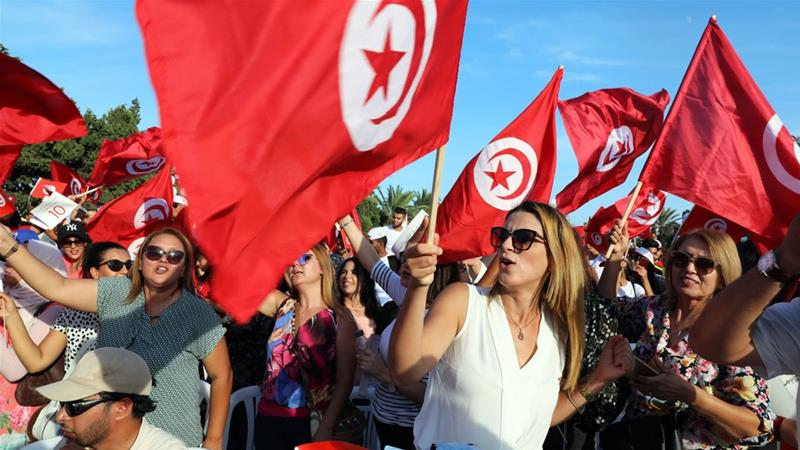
x=422 y=200
x=666 y=226
x=369 y=213
x=79 y=154
x=391 y=198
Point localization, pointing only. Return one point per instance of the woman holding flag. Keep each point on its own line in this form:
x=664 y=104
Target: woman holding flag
x=504 y=361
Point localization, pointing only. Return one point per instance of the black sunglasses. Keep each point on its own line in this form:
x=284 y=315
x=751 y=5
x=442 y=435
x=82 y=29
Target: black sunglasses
x=154 y=253
x=703 y=265
x=521 y=238
x=78 y=407
x=116 y=265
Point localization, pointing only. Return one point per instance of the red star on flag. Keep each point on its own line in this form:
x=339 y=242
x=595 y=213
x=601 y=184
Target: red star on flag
x=622 y=147
x=382 y=64
x=499 y=176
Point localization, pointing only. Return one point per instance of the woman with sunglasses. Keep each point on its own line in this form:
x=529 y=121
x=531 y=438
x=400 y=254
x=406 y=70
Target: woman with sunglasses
x=310 y=357
x=73 y=333
x=72 y=240
x=504 y=361
x=154 y=313
x=691 y=401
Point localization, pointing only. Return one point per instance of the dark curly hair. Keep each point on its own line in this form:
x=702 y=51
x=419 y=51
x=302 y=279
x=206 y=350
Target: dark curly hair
x=142 y=404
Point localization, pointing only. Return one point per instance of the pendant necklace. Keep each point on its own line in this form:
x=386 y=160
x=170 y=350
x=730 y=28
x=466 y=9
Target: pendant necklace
x=521 y=336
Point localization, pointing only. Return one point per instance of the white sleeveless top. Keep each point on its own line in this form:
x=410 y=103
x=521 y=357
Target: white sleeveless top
x=478 y=394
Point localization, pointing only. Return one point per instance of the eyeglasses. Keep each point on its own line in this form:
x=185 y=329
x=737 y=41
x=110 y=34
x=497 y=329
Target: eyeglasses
x=73 y=243
x=304 y=259
x=154 y=253
x=116 y=265
x=703 y=265
x=78 y=407
x=521 y=238
x=641 y=260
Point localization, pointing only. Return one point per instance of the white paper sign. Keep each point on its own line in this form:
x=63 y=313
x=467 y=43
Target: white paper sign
x=52 y=211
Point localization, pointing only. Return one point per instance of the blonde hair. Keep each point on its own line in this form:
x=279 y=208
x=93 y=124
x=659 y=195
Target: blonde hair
x=723 y=251
x=187 y=277
x=327 y=279
x=562 y=289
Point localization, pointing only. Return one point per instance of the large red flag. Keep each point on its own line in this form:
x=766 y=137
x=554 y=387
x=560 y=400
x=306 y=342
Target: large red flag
x=724 y=148
x=33 y=109
x=132 y=216
x=128 y=158
x=703 y=218
x=300 y=111
x=646 y=210
x=77 y=185
x=519 y=164
x=9 y=154
x=608 y=130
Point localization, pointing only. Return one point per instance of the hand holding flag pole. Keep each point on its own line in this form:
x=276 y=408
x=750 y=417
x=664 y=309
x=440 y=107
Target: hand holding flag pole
x=627 y=213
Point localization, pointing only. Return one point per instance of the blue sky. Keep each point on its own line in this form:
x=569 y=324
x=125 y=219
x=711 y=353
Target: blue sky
x=93 y=50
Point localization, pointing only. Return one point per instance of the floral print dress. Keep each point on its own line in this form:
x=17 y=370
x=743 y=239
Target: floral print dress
x=646 y=322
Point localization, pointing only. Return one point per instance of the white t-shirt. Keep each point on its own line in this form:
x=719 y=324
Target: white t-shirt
x=596 y=265
x=630 y=290
x=391 y=237
x=149 y=438
x=478 y=394
x=777 y=339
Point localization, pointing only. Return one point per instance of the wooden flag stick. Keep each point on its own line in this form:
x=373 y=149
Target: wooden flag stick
x=90 y=191
x=437 y=184
x=627 y=213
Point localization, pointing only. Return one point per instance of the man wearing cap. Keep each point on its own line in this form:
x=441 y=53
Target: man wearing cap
x=103 y=403
x=72 y=241
x=377 y=237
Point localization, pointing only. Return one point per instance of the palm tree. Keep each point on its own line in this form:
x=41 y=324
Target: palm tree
x=666 y=225
x=392 y=198
x=422 y=200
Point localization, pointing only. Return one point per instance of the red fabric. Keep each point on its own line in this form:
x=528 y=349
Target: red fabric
x=7 y=204
x=9 y=154
x=38 y=190
x=65 y=174
x=519 y=164
x=703 y=218
x=132 y=216
x=648 y=206
x=724 y=148
x=608 y=130
x=300 y=110
x=128 y=158
x=33 y=109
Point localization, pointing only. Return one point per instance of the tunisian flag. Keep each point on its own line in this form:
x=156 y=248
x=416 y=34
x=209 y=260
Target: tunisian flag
x=608 y=130
x=9 y=154
x=129 y=218
x=299 y=111
x=646 y=210
x=703 y=218
x=519 y=164
x=128 y=158
x=724 y=148
x=33 y=109
x=77 y=185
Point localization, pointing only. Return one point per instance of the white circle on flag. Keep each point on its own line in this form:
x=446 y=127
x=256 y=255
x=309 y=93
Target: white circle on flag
x=596 y=238
x=648 y=213
x=504 y=172
x=75 y=186
x=716 y=224
x=144 y=166
x=151 y=210
x=2 y=200
x=770 y=144
x=375 y=101
x=133 y=248
x=618 y=146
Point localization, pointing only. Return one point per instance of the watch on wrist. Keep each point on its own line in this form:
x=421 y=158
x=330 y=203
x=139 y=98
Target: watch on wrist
x=768 y=266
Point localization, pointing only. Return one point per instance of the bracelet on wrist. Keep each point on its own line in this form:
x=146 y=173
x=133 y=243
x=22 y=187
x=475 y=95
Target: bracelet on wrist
x=10 y=252
x=572 y=402
x=347 y=223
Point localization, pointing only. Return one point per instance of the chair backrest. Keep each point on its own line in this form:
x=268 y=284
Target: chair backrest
x=250 y=396
x=204 y=393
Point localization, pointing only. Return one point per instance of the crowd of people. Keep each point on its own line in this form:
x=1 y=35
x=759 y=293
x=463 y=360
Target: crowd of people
x=544 y=344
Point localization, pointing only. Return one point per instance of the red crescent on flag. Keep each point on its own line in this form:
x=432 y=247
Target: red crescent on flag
x=416 y=57
x=526 y=170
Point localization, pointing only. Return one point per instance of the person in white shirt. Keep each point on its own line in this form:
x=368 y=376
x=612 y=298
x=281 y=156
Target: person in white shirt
x=393 y=230
x=378 y=239
x=103 y=403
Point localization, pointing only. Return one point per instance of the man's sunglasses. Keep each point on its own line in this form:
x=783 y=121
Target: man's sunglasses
x=154 y=253
x=521 y=238
x=703 y=265
x=73 y=243
x=78 y=407
x=116 y=265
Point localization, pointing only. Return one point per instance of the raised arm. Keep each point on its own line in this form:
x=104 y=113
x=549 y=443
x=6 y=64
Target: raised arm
x=723 y=333
x=34 y=357
x=76 y=294
x=365 y=253
x=418 y=342
x=269 y=307
x=607 y=285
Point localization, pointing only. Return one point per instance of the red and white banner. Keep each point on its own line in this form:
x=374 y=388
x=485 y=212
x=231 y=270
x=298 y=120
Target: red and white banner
x=646 y=210
x=129 y=218
x=128 y=158
x=32 y=108
x=77 y=185
x=45 y=187
x=301 y=110
x=519 y=164
x=608 y=130
x=700 y=218
x=724 y=148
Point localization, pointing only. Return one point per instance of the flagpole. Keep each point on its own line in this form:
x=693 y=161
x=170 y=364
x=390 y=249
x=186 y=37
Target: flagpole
x=90 y=191
x=437 y=184
x=667 y=123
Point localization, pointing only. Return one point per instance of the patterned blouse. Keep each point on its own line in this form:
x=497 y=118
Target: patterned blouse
x=646 y=321
x=306 y=356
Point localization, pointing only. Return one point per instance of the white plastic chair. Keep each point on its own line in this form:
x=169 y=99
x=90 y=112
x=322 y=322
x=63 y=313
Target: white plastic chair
x=204 y=393
x=250 y=396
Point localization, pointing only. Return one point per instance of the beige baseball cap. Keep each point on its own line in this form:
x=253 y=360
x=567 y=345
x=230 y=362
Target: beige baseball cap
x=107 y=369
